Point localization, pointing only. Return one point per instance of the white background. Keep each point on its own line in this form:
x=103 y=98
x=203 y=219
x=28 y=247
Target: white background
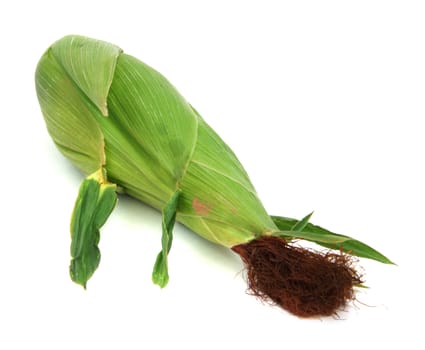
x=322 y=101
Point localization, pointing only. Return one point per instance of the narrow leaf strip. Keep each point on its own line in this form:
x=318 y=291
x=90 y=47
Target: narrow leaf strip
x=327 y=239
x=300 y=225
x=160 y=269
x=314 y=237
x=94 y=204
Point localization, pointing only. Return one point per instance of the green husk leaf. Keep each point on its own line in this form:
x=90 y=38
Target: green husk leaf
x=219 y=202
x=94 y=204
x=69 y=120
x=150 y=133
x=143 y=102
x=90 y=64
x=73 y=78
x=160 y=270
x=328 y=239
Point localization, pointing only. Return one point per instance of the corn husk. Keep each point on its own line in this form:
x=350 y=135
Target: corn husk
x=113 y=115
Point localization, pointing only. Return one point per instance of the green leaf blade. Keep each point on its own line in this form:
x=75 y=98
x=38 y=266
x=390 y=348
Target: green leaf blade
x=360 y=249
x=328 y=239
x=105 y=205
x=160 y=271
x=93 y=206
x=313 y=237
x=300 y=225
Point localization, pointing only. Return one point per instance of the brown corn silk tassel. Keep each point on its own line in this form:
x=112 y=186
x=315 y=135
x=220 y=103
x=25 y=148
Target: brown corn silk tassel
x=304 y=282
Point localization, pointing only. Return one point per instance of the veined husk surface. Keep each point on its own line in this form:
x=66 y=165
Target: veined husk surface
x=106 y=109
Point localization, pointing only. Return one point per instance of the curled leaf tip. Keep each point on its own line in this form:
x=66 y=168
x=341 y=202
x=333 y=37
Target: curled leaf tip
x=91 y=65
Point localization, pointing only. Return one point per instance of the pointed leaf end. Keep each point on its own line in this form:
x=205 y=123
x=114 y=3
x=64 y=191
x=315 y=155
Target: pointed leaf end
x=160 y=271
x=104 y=109
x=160 y=279
x=76 y=278
x=389 y=262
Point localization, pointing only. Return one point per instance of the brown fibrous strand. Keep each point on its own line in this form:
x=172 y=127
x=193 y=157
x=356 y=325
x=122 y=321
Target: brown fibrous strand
x=305 y=282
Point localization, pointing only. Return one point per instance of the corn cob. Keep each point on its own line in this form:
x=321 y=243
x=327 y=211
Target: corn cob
x=130 y=131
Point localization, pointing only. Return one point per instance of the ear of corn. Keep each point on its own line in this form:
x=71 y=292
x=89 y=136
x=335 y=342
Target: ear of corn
x=113 y=115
